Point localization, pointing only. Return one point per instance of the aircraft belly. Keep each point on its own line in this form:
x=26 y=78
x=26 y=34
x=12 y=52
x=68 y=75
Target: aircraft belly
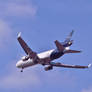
x=28 y=63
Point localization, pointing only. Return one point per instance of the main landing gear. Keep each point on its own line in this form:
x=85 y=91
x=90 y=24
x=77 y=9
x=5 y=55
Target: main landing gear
x=48 y=68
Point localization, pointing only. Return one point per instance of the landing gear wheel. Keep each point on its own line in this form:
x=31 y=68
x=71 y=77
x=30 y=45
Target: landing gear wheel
x=21 y=71
x=48 y=68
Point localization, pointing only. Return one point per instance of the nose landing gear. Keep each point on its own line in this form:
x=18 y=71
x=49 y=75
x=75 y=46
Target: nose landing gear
x=22 y=70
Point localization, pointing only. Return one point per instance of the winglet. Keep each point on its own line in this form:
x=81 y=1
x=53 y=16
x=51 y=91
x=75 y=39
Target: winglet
x=19 y=34
x=89 y=65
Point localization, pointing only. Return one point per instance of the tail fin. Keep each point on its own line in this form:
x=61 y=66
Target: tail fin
x=72 y=51
x=69 y=36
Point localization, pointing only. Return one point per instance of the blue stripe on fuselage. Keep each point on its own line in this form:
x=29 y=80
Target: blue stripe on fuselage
x=56 y=54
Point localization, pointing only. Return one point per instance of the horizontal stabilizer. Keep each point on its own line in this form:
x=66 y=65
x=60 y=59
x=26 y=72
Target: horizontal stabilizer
x=72 y=51
x=59 y=46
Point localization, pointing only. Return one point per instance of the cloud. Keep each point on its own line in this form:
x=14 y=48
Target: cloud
x=18 y=9
x=5 y=33
x=34 y=78
x=15 y=79
x=87 y=90
x=61 y=78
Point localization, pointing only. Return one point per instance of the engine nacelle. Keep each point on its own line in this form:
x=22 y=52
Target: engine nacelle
x=24 y=58
x=48 y=68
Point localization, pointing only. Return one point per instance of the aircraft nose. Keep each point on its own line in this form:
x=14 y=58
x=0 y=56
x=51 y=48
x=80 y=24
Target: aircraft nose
x=18 y=65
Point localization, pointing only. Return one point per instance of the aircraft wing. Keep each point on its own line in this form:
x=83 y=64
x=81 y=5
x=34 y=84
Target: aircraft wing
x=26 y=48
x=69 y=66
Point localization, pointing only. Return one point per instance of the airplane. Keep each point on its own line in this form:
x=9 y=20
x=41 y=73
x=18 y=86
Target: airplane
x=46 y=58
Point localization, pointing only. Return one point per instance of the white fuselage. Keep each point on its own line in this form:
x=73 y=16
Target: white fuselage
x=30 y=62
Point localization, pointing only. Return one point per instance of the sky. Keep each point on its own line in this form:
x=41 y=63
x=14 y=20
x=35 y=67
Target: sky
x=41 y=22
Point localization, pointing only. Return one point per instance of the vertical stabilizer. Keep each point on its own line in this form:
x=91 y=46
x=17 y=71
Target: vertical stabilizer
x=69 y=36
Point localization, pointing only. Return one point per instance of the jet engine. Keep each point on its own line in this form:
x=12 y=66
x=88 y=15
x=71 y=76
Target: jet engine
x=48 y=68
x=24 y=58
